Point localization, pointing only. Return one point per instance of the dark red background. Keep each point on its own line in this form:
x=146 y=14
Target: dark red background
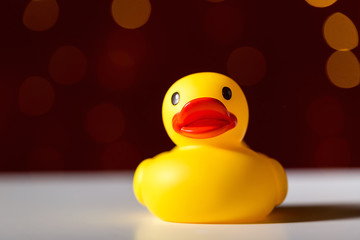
x=288 y=33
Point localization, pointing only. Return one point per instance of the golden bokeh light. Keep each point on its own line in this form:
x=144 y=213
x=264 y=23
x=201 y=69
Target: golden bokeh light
x=41 y=15
x=67 y=65
x=105 y=123
x=340 y=32
x=321 y=3
x=343 y=69
x=131 y=14
x=36 y=96
x=246 y=65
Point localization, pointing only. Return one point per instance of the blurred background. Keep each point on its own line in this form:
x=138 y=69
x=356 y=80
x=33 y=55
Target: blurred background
x=82 y=82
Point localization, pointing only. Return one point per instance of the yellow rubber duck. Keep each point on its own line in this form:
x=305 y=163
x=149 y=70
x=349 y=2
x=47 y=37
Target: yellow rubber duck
x=211 y=176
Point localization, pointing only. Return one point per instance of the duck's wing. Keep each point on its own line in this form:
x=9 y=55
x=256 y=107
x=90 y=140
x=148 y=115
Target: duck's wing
x=138 y=176
x=281 y=180
x=278 y=172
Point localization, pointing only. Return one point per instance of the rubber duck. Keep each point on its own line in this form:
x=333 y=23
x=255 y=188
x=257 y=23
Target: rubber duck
x=211 y=175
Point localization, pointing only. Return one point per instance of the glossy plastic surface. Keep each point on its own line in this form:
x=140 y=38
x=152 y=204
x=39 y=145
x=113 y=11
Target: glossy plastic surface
x=203 y=118
x=211 y=176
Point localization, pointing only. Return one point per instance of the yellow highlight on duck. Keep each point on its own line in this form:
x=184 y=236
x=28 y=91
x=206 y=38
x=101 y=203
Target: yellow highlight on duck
x=211 y=176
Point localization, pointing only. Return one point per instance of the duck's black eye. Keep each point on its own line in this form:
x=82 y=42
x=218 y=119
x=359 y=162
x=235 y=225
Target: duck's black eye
x=226 y=92
x=175 y=98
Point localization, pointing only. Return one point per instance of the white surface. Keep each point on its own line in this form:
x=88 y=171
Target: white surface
x=320 y=205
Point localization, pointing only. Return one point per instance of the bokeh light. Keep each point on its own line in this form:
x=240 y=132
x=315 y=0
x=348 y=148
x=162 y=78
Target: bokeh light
x=114 y=77
x=105 y=123
x=41 y=15
x=36 y=96
x=333 y=152
x=223 y=24
x=131 y=14
x=125 y=51
x=325 y=116
x=126 y=48
x=106 y=52
x=67 y=65
x=340 y=32
x=116 y=154
x=321 y=3
x=246 y=65
x=343 y=69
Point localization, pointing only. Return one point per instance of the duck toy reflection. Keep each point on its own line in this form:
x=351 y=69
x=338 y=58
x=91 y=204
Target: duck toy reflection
x=211 y=175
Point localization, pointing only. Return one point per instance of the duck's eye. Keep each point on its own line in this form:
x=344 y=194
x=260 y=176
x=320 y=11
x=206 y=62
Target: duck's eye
x=175 y=98
x=226 y=92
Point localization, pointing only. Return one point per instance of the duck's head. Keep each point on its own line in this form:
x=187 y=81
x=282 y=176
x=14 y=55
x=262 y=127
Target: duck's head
x=205 y=109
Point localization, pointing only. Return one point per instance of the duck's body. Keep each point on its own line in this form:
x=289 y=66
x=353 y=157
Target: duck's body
x=211 y=176
x=189 y=185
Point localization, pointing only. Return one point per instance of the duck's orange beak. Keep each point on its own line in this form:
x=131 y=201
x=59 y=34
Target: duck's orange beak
x=203 y=118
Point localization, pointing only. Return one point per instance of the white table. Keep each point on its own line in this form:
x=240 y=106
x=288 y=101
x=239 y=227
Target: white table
x=321 y=204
